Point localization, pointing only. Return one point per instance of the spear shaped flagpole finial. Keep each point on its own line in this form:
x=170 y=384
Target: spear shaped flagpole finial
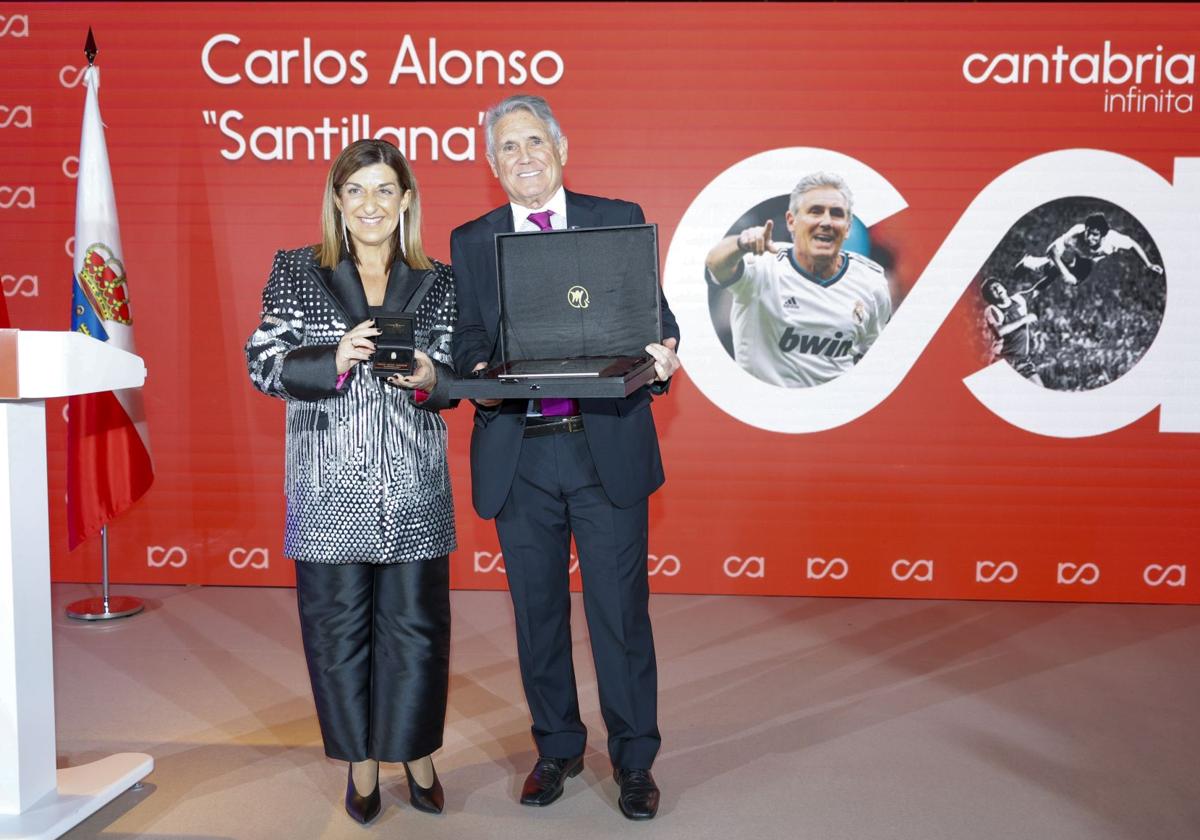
x=89 y=49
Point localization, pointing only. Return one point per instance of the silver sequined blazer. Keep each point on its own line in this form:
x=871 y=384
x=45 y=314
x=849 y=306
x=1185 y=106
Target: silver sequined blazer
x=366 y=474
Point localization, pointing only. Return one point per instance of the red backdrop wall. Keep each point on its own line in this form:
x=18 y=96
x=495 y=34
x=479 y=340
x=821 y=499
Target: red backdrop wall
x=925 y=490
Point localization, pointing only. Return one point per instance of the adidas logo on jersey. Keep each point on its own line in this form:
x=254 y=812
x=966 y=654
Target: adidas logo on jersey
x=790 y=302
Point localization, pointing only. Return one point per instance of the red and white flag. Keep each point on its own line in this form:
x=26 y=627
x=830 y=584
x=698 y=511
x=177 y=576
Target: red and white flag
x=108 y=446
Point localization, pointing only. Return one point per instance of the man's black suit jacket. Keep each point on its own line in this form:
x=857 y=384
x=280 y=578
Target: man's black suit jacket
x=620 y=432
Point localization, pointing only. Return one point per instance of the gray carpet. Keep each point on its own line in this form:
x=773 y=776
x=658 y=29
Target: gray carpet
x=781 y=718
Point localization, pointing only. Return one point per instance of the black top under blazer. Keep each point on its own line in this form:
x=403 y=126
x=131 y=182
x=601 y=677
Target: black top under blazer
x=620 y=432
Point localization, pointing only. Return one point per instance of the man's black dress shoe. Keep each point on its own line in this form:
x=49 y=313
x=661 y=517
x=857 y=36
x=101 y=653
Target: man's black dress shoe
x=432 y=799
x=362 y=808
x=544 y=784
x=638 y=798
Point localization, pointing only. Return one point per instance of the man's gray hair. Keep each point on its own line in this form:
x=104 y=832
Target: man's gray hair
x=535 y=105
x=817 y=180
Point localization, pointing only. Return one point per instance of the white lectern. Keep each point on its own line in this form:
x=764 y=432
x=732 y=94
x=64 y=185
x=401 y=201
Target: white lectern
x=36 y=801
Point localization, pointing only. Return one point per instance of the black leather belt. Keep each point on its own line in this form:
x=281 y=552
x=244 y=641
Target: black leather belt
x=538 y=426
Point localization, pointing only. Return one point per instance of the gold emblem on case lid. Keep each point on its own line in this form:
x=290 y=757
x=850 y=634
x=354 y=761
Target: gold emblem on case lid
x=577 y=296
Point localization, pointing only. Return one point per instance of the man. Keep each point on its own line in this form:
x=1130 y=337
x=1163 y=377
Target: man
x=1073 y=255
x=802 y=315
x=545 y=471
x=1009 y=319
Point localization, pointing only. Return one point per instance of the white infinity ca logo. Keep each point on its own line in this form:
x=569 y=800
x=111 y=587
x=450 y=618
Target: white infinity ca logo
x=1159 y=575
x=753 y=567
x=67 y=80
x=23 y=197
x=668 y=565
x=921 y=570
x=16 y=116
x=14 y=26
x=486 y=562
x=988 y=572
x=240 y=558
x=26 y=285
x=158 y=556
x=1163 y=377
x=70 y=166
x=1085 y=574
x=834 y=569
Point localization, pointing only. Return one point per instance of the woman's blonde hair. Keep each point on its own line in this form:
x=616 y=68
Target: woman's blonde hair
x=336 y=245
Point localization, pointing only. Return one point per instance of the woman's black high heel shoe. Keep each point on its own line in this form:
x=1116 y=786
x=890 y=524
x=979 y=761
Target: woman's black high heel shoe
x=362 y=809
x=432 y=799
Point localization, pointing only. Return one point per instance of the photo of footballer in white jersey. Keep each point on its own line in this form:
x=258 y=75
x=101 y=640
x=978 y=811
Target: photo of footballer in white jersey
x=1092 y=327
x=802 y=313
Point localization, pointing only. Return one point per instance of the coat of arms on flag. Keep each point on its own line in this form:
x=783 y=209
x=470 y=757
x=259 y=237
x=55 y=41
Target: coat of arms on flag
x=102 y=280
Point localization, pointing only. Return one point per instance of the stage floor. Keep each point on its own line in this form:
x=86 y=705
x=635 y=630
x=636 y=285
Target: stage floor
x=781 y=718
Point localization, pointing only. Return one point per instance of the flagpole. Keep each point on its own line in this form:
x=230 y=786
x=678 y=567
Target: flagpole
x=106 y=606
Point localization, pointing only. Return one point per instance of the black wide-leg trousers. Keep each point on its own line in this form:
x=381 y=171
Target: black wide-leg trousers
x=556 y=493
x=377 y=643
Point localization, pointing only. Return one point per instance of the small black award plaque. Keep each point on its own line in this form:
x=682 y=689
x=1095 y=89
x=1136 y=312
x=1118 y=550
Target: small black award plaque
x=394 y=346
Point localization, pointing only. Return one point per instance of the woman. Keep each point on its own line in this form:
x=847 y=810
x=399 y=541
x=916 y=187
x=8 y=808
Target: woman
x=369 y=516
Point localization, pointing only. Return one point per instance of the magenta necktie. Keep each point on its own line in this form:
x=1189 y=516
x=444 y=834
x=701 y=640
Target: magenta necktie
x=553 y=408
x=542 y=219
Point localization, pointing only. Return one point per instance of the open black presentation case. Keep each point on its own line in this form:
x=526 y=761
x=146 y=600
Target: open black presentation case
x=577 y=309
